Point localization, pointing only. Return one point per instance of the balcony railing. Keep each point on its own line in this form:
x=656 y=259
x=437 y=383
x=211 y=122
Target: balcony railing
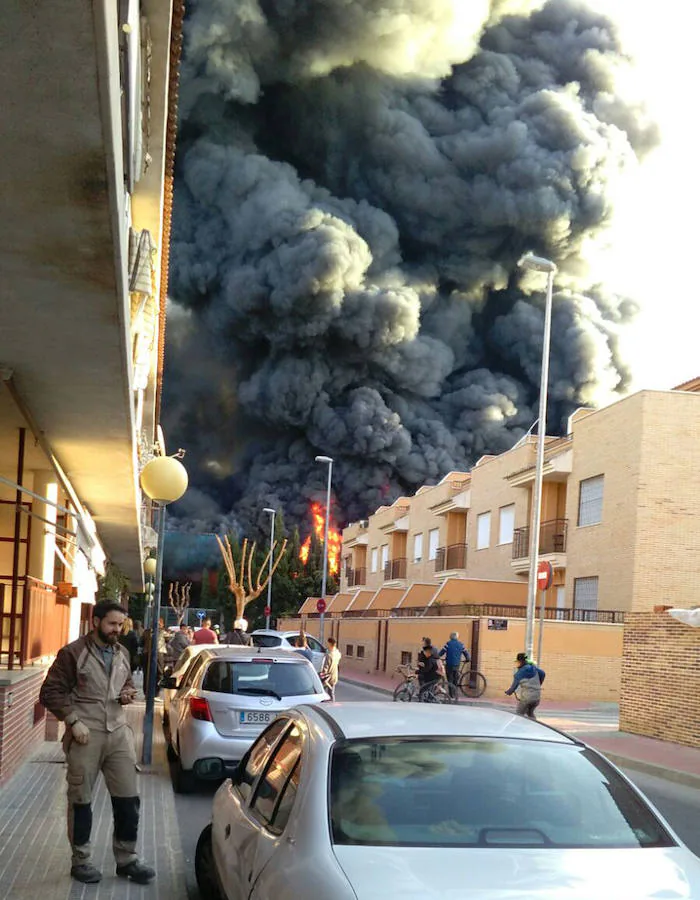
x=552 y=538
x=356 y=576
x=395 y=569
x=477 y=610
x=452 y=557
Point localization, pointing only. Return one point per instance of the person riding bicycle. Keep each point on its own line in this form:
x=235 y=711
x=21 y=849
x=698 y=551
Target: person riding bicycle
x=429 y=667
x=527 y=681
x=453 y=651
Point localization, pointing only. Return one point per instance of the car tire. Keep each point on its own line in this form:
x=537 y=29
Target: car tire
x=205 y=867
x=184 y=782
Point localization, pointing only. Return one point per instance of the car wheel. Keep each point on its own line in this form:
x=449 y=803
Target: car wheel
x=205 y=868
x=184 y=782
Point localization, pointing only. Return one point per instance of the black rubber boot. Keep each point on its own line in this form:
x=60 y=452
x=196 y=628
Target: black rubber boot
x=137 y=872
x=86 y=873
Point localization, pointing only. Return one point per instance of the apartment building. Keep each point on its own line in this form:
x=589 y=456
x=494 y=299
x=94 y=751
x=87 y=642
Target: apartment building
x=620 y=514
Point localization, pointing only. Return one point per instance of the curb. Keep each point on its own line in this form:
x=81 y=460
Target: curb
x=623 y=762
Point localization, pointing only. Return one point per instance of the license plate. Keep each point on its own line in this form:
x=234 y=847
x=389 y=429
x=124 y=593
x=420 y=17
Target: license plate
x=253 y=717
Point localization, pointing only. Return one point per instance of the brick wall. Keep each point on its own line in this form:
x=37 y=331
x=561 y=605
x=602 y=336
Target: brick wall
x=20 y=734
x=659 y=695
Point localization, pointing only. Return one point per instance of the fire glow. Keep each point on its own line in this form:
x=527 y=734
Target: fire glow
x=334 y=540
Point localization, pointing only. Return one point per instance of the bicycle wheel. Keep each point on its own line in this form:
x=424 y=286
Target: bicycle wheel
x=472 y=684
x=403 y=693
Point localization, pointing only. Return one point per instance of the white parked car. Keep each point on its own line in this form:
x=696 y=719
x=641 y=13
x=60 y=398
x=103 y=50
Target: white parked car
x=174 y=676
x=227 y=696
x=286 y=640
x=362 y=801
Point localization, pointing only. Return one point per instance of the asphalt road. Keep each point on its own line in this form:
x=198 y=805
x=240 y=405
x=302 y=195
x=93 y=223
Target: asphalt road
x=680 y=805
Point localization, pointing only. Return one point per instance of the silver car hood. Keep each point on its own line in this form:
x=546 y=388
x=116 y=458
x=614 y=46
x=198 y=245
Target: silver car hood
x=504 y=874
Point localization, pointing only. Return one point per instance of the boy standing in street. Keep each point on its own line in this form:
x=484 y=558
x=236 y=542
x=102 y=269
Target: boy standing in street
x=329 y=669
x=88 y=687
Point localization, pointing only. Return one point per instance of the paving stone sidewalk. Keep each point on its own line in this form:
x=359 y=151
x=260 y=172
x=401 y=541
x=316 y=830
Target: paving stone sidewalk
x=34 y=850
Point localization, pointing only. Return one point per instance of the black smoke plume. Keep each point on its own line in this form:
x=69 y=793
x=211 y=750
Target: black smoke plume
x=356 y=181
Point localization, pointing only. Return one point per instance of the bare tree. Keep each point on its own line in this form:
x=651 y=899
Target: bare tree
x=241 y=584
x=179 y=599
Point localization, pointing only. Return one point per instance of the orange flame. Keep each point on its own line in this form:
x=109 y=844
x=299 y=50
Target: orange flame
x=334 y=540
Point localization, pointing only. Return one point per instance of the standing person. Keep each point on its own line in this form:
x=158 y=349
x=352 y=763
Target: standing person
x=527 y=681
x=139 y=631
x=428 y=669
x=205 y=634
x=301 y=646
x=88 y=687
x=330 y=668
x=179 y=641
x=453 y=651
x=238 y=634
x=129 y=639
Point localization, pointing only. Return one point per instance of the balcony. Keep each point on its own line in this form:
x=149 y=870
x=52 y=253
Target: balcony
x=395 y=570
x=552 y=539
x=450 y=558
x=356 y=577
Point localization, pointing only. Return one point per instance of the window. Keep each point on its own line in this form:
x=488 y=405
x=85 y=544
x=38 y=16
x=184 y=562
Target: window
x=418 y=548
x=276 y=791
x=506 y=524
x=360 y=652
x=375 y=559
x=486 y=793
x=586 y=593
x=257 y=756
x=385 y=555
x=406 y=658
x=590 y=501
x=433 y=541
x=283 y=679
x=483 y=531
x=266 y=640
x=349 y=650
x=314 y=645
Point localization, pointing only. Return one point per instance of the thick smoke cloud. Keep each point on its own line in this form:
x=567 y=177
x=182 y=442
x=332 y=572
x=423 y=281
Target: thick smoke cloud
x=356 y=181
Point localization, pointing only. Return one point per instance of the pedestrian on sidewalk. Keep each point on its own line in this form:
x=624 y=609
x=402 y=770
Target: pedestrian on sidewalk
x=453 y=651
x=205 y=634
x=87 y=687
x=238 y=634
x=129 y=639
x=527 y=681
x=330 y=668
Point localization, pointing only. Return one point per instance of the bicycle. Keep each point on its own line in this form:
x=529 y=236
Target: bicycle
x=441 y=691
x=470 y=682
x=408 y=689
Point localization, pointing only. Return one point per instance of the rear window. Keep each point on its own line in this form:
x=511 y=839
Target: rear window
x=266 y=640
x=484 y=793
x=281 y=679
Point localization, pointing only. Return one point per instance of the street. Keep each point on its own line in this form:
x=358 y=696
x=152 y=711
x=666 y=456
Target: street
x=679 y=804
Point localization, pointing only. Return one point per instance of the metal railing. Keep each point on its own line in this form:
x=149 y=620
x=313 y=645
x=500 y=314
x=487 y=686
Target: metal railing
x=484 y=610
x=395 y=569
x=552 y=538
x=452 y=557
x=356 y=576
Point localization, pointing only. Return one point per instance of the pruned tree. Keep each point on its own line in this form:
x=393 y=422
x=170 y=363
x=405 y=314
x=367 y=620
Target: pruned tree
x=179 y=599
x=242 y=585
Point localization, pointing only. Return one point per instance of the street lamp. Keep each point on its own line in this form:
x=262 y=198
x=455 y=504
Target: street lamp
x=326 y=460
x=538 y=264
x=272 y=512
x=163 y=480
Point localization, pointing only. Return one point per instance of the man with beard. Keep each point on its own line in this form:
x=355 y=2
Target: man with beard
x=88 y=687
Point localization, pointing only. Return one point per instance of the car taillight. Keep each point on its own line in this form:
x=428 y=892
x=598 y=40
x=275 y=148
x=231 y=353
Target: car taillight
x=199 y=709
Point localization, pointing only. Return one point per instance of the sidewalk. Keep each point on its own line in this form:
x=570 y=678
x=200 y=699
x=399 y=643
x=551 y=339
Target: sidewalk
x=594 y=723
x=34 y=849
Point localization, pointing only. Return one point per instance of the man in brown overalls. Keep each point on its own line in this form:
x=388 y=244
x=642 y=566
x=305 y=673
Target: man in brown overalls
x=88 y=687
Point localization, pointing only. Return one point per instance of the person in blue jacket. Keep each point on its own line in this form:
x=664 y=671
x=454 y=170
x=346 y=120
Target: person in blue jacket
x=453 y=651
x=527 y=681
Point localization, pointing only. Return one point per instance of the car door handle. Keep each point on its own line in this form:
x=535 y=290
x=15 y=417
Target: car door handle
x=227 y=831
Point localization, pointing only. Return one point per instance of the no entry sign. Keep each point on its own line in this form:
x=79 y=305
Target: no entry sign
x=545 y=574
x=321 y=605
x=267 y=610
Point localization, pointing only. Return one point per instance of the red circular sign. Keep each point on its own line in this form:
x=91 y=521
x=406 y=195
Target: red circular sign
x=545 y=574
x=321 y=605
x=267 y=610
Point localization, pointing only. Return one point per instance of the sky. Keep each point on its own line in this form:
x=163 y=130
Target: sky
x=655 y=237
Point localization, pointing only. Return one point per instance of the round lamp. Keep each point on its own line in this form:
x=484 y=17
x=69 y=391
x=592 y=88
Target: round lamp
x=150 y=566
x=164 y=479
x=150 y=589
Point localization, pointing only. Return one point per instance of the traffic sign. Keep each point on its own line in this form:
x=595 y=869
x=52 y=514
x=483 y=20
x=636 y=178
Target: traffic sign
x=267 y=611
x=321 y=605
x=545 y=575
x=200 y=615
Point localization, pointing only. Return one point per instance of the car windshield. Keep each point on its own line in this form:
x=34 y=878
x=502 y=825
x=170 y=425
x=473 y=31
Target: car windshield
x=266 y=640
x=281 y=679
x=483 y=793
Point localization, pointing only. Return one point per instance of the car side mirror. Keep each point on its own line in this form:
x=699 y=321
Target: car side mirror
x=169 y=683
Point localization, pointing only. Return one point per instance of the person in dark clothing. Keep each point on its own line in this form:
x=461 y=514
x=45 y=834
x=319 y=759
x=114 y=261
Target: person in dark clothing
x=129 y=640
x=428 y=666
x=238 y=635
x=179 y=642
x=527 y=681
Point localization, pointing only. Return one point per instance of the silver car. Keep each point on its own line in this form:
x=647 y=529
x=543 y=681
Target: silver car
x=287 y=640
x=359 y=801
x=227 y=696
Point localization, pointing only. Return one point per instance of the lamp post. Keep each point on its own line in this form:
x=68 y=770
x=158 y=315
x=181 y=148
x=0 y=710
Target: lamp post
x=163 y=480
x=269 y=579
x=538 y=264
x=326 y=460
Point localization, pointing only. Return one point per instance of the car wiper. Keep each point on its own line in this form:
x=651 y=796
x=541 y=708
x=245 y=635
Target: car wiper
x=260 y=692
